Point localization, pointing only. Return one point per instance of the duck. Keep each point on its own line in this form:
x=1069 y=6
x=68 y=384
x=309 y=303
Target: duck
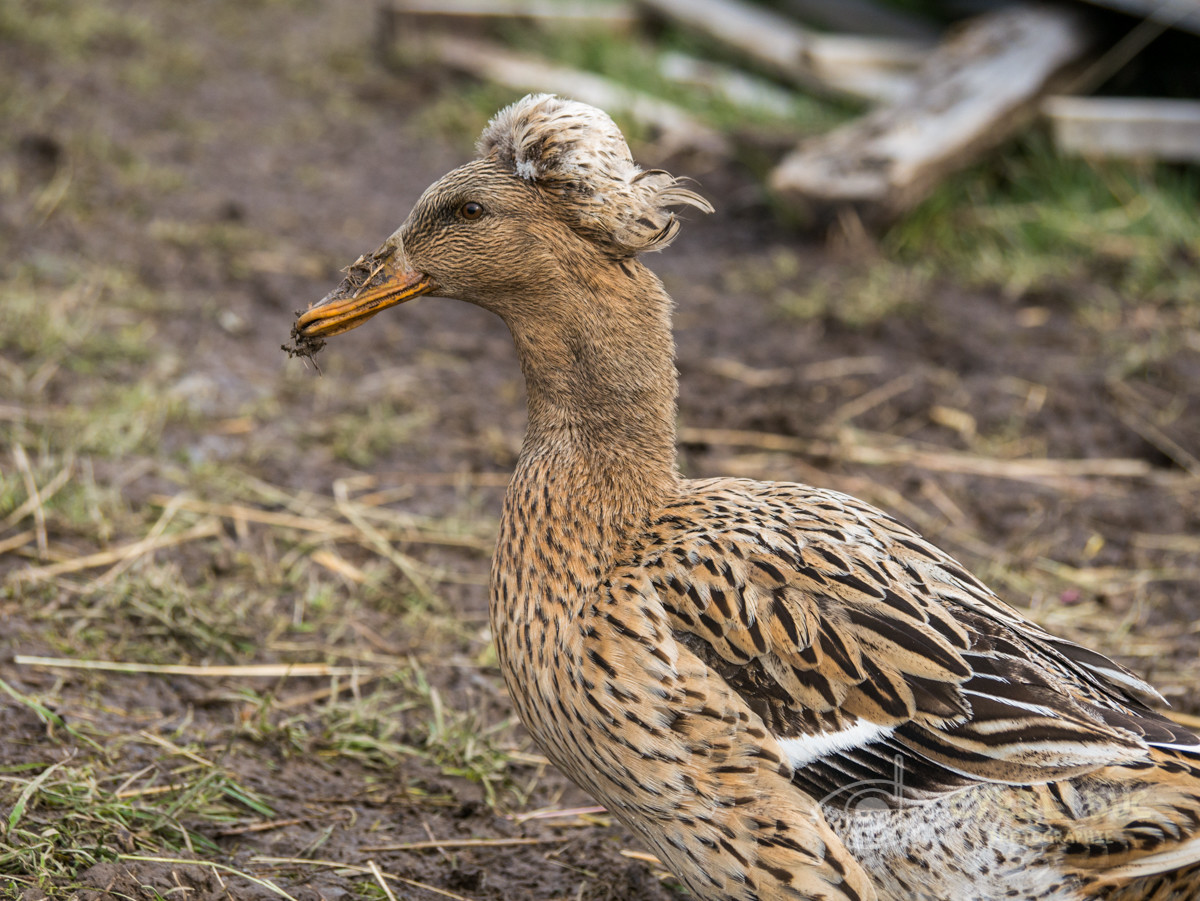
x=783 y=691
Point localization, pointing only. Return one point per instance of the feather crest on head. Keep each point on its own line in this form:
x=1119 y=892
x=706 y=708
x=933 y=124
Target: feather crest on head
x=577 y=154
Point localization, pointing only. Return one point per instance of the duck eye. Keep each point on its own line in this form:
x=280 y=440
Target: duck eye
x=470 y=210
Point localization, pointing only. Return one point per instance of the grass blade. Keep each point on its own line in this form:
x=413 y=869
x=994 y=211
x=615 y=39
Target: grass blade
x=28 y=792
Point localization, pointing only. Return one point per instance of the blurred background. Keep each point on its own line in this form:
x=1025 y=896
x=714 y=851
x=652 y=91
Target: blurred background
x=243 y=608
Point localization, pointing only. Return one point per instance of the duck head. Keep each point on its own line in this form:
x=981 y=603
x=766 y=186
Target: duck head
x=553 y=198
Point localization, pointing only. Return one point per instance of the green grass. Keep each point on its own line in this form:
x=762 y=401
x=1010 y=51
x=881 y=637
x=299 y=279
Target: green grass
x=1106 y=238
x=254 y=594
x=361 y=433
x=155 y=616
x=79 y=357
x=1029 y=220
x=855 y=297
x=72 y=30
x=82 y=317
x=64 y=815
x=73 y=503
x=102 y=790
x=406 y=717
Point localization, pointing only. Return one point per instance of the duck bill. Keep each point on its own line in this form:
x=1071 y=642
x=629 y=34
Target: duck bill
x=335 y=314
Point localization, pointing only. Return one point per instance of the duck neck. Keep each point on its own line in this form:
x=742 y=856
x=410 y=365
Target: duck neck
x=598 y=459
x=600 y=375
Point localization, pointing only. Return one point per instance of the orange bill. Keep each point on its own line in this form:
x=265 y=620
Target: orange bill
x=340 y=314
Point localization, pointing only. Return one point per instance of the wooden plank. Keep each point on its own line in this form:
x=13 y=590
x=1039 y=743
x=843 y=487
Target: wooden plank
x=1171 y=13
x=473 y=14
x=759 y=34
x=879 y=69
x=971 y=93
x=864 y=67
x=677 y=132
x=733 y=85
x=1128 y=127
x=863 y=17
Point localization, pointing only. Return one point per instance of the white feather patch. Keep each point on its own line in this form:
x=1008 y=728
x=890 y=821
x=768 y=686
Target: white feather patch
x=1168 y=746
x=1039 y=709
x=805 y=749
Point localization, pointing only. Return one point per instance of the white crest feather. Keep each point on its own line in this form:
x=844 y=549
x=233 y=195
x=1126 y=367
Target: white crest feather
x=577 y=154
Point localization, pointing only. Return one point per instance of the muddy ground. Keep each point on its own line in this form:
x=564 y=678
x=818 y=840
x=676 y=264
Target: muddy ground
x=175 y=181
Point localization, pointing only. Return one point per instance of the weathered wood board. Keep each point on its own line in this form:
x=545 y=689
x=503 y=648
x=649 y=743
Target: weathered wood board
x=871 y=68
x=974 y=91
x=474 y=14
x=1126 y=127
x=862 y=17
x=1172 y=13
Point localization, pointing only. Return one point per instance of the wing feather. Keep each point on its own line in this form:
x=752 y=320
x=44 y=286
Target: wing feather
x=836 y=622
